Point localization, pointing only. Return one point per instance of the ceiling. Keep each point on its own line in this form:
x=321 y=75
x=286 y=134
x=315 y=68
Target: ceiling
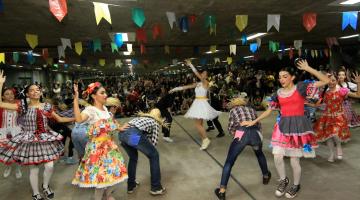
x=33 y=16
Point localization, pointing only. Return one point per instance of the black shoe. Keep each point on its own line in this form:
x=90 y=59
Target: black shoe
x=267 y=178
x=221 y=134
x=292 y=192
x=131 y=190
x=220 y=195
x=210 y=128
x=37 y=197
x=282 y=187
x=49 y=194
x=158 y=192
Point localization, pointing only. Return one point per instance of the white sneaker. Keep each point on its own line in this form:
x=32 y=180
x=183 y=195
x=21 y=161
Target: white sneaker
x=7 y=171
x=18 y=173
x=205 y=144
x=168 y=139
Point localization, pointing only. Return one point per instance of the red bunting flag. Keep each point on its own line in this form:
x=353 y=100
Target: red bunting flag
x=192 y=19
x=156 y=31
x=309 y=21
x=45 y=53
x=141 y=35
x=291 y=53
x=142 y=49
x=58 y=8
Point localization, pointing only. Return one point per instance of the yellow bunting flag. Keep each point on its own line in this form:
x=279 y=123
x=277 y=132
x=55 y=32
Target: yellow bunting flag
x=213 y=48
x=229 y=60
x=167 y=49
x=49 y=61
x=2 y=58
x=78 y=48
x=102 y=11
x=102 y=62
x=32 y=40
x=213 y=29
x=241 y=22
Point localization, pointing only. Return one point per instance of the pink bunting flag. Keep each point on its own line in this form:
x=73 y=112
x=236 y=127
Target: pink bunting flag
x=309 y=21
x=58 y=8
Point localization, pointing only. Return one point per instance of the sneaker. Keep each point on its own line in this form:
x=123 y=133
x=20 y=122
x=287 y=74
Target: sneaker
x=220 y=195
x=7 y=171
x=292 y=192
x=63 y=159
x=158 y=192
x=71 y=161
x=205 y=144
x=37 y=197
x=18 y=173
x=267 y=178
x=210 y=128
x=282 y=187
x=221 y=134
x=131 y=190
x=168 y=139
x=49 y=194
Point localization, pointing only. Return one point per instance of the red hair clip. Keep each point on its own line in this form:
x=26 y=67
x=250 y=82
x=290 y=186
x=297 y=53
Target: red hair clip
x=91 y=87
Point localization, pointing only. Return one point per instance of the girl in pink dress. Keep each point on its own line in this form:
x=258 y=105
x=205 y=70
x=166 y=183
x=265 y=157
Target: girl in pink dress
x=293 y=135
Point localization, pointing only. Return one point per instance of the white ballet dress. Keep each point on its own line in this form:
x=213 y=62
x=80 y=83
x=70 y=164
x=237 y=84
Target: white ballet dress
x=200 y=108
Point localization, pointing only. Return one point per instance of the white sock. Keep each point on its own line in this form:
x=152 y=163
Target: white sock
x=295 y=164
x=34 y=179
x=49 y=169
x=280 y=165
x=330 y=144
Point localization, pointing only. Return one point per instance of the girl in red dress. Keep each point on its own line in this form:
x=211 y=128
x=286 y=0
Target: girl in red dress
x=293 y=135
x=332 y=127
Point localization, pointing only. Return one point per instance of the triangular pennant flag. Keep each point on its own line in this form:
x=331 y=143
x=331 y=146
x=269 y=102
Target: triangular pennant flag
x=349 y=18
x=142 y=49
x=45 y=53
x=118 y=63
x=299 y=52
x=217 y=60
x=280 y=56
x=16 y=57
x=90 y=45
x=171 y=18
x=331 y=41
x=167 y=49
x=213 y=48
x=297 y=44
x=253 y=47
x=58 y=8
x=291 y=53
x=101 y=11
x=273 y=20
x=156 y=31
x=134 y=62
x=241 y=21
x=65 y=43
x=118 y=39
x=232 y=48
x=192 y=19
x=61 y=52
x=273 y=46
x=309 y=21
x=49 y=61
x=326 y=52
x=97 y=45
x=129 y=47
x=2 y=58
x=316 y=53
x=321 y=54
x=258 y=41
x=30 y=57
x=243 y=39
x=114 y=47
x=102 y=62
x=1 y=6
x=312 y=53
x=141 y=35
x=32 y=39
x=138 y=16
x=78 y=48
x=211 y=24
x=184 y=24
x=212 y=30
x=229 y=60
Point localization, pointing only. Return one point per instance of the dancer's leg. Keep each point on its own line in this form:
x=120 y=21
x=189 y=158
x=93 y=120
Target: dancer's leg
x=34 y=179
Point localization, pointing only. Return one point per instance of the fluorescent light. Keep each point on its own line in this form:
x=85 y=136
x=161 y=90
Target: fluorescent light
x=20 y=66
x=210 y=52
x=34 y=54
x=349 y=36
x=76 y=65
x=248 y=57
x=256 y=35
x=61 y=61
x=127 y=60
x=287 y=49
x=126 y=53
x=350 y=2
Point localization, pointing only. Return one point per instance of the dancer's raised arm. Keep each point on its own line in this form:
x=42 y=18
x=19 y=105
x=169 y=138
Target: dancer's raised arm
x=323 y=78
x=356 y=79
x=181 y=88
x=9 y=106
x=79 y=117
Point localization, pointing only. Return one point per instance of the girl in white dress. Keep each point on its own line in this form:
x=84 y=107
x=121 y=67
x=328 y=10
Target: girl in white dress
x=200 y=109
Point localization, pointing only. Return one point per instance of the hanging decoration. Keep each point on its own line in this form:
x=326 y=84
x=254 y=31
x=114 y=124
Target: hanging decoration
x=114 y=47
x=97 y=45
x=326 y=52
x=118 y=39
x=142 y=49
x=309 y=20
x=78 y=48
x=134 y=62
x=184 y=24
x=65 y=43
x=291 y=53
x=171 y=18
x=167 y=49
x=258 y=41
x=61 y=52
x=273 y=46
x=241 y=22
x=102 y=62
x=253 y=47
x=192 y=19
x=299 y=52
x=243 y=39
x=213 y=48
x=349 y=18
x=129 y=48
x=32 y=40
x=30 y=57
x=16 y=57
x=330 y=41
x=232 y=48
x=102 y=11
x=216 y=60
x=58 y=8
x=273 y=20
x=45 y=53
x=312 y=53
x=297 y=44
x=138 y=16
x=156 y=31
x=229 y=60
x=211 y=24
x=2 y=58
x=118 y=63
x=141 y=35
x=1 y=6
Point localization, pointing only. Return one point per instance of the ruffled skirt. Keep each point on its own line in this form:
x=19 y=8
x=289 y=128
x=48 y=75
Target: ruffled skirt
x=332 y=126
x=201 y=109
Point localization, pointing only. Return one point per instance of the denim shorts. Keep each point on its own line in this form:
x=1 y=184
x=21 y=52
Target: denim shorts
x=80 y=138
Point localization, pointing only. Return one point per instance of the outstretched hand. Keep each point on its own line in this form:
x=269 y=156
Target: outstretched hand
x=76 y=90
x=2 y=77
x=356 y=77
x=188 y=62
x=302 y=65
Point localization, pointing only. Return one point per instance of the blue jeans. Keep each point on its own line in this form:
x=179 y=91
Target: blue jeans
x=80 y=138
x=133 y=140
x=251 y=138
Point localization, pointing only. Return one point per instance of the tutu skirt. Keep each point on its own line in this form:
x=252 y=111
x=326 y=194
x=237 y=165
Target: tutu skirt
x=201 y=109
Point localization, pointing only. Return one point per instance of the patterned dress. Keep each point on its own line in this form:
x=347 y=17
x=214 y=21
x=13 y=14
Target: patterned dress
x=103 y=164
x=352 y=117
x=36 y=143
x=293 y=134
x=9 y=125
x=333 y=121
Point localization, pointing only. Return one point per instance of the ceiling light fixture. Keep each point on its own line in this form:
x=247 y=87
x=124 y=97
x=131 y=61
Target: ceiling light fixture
x=349 y=36
x=256 y=35
x=350 y=2
x=126 y=53
x=210 y=52
x=248 y=57
x=61 y=61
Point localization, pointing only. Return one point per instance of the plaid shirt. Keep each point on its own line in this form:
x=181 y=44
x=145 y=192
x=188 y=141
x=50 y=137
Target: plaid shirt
x=239 y=114
x=149 y=125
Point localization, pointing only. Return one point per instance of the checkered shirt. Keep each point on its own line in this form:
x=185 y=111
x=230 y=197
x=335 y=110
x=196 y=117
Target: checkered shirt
x=240 y=114
x=149 y=125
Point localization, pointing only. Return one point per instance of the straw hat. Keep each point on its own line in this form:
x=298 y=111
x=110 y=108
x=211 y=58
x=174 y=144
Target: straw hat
x=112 y=101
x=155 y=114
x=238 y=101
x=83 y=102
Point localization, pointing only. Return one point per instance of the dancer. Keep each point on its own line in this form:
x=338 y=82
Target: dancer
x=243 y=136
x=200 y=109
x=164 y=105
x=215 y=102
x=9 y=126
x=79 y=133
x=352 y=117
x=102 y=165
x=293 y=135
x=36 y=144
x=332 y=127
